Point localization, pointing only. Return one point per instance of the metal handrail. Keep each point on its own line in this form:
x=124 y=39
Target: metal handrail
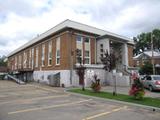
x=16 y=79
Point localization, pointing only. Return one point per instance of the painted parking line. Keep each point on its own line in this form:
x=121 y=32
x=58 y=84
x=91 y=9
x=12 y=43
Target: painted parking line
x=11 y=94
x=48 y=107
x=46 y=89
x=32 y=99
x=104 y=113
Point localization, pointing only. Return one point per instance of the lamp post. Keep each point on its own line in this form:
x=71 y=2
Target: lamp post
x=152 y=54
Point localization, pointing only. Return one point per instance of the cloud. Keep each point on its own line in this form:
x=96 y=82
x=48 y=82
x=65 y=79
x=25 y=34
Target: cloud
x=21 y=21
x=23 y=7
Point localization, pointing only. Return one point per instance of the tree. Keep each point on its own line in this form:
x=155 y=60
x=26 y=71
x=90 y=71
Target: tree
x=2 y=62
x=143 y=41
x=147 y=68
x=109 y=62
x=80 y=70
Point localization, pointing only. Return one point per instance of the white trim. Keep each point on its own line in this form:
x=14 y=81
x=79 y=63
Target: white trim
x=15 y=63
x=85 y=44
x=43 y=55
x=50 y=52
x=37 y=57
x=24 y=60
x=58 y=47
x=69 y=24
x=32 y=58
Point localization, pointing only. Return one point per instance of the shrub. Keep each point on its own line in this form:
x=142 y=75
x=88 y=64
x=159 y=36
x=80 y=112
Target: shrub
x=96 y=84
x=137 y=89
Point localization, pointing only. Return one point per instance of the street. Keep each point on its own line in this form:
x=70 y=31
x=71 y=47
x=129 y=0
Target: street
x=42 y=102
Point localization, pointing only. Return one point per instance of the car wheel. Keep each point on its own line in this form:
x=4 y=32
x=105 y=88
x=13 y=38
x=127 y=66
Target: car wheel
x=150 y=88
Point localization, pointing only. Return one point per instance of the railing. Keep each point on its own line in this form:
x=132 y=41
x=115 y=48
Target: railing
x=16 y=79
x=123 y=69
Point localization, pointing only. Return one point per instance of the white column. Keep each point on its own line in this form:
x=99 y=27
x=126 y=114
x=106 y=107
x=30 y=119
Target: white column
x=125 y=54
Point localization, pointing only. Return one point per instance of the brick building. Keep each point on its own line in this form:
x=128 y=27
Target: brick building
x=54 y=53
x=140 y=59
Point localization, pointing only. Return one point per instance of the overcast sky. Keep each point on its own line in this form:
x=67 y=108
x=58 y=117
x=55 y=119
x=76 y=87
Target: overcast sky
x=22 y=20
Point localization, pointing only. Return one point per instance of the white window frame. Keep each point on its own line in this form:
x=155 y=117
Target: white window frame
x=19 y=61
x=87 y=57
x=43 y=56
x=32 y=61
x=58 y=42
x=24 y=60
x=15 y=63
x=37 y=55
x=49 y=53
x=30 y=58
x=79 y=42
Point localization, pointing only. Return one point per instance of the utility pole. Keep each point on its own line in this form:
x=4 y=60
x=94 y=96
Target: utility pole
x=152 y=54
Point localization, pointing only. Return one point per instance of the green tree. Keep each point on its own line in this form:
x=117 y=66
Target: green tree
x=143 y=41
x=80 y=70
x=109 y=62
x=2 y=62
x=147 y=68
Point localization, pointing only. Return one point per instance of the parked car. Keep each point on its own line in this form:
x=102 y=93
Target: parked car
x=152 y=82
x=142 y=78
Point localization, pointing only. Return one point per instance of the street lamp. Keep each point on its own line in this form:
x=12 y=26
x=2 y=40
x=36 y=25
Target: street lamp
x=152 y=53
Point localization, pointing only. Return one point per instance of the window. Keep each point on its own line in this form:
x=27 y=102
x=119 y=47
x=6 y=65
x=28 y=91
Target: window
x=87 y=57
x=32 y=57
x=58 y=51
x=16 y=62
x=148 y=78
x=79 y=38
x=101 y=50
x=24 y=60
x=101 y=45
x=12 y=63
x=50 y=53
x=79 y=57
x=43 y=55
x=36 y=64
x=86 y=39
x=19 y=61
x=86 y=53
x=137 y=63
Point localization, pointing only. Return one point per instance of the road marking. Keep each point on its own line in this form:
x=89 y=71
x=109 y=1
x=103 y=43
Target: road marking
x=104 y=113
x=43 y=88
x=32 y=99
x=48 y=107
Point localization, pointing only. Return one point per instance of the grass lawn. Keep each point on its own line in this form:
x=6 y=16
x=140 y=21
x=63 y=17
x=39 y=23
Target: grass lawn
x=155 y=102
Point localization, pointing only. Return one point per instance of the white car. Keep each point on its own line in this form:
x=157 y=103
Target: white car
x=152 y=82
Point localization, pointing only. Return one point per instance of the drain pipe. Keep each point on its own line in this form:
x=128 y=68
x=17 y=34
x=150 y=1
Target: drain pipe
x=71 y=56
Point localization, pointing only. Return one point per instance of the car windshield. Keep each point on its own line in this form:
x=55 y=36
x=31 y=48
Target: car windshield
x=156 y=78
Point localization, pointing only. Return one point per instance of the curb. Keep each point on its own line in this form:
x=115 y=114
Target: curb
x=117 y=101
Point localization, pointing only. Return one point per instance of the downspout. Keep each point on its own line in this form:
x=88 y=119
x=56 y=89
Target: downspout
x=71 y=57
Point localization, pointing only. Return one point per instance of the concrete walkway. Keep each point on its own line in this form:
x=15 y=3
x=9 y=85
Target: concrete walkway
x=125 y=90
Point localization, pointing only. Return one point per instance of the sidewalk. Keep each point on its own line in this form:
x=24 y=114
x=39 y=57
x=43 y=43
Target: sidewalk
x=125 y=90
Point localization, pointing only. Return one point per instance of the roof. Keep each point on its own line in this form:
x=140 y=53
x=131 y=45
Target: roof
x=69 y=24
x=149 y=54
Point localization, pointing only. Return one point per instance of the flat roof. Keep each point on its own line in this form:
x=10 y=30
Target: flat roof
x=69 y=24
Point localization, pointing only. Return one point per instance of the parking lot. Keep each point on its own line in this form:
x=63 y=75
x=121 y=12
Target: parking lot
x=40 y=102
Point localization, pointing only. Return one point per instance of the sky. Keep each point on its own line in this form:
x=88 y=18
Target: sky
x=23 y=20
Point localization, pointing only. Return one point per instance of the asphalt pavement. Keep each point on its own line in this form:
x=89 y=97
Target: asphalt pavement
x=42 y=102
